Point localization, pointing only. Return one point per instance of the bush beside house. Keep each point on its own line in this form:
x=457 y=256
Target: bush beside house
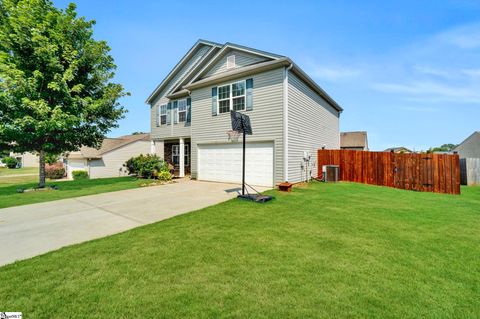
x=54 y=171
x=79 y=175
x=148 y=166
x=11 y=162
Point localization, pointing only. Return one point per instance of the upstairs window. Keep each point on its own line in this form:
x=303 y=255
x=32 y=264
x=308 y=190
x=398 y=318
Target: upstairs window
x=163 y=114
x=182 y=110
x=224 y=99
x=231 y=97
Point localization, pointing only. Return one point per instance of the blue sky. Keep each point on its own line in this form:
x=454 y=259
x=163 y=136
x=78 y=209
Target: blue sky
x=408 y=72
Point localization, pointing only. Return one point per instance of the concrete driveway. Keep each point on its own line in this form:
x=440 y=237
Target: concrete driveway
x=31 y=230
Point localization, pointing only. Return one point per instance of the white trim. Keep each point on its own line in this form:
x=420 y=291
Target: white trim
x=202 y=60
x=231 y=97
x=178 y=111
x=231 y=61
x=181 y=160
x=219 y=54
x=285 y=122
x=160 y=114
x=178 y=65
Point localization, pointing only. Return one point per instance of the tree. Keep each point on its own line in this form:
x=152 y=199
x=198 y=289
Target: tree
x=56 y=92
x=442 y=148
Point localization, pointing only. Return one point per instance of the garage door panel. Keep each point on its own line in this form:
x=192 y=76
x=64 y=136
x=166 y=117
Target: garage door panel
x=223 y=163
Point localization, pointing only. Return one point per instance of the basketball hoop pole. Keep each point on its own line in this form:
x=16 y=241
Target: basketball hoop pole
x=243 y=164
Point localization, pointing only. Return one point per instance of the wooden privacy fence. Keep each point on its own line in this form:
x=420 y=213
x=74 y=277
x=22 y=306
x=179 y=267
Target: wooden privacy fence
x=438 y=173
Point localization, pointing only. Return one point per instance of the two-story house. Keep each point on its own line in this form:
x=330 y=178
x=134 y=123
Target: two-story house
x=290 y=114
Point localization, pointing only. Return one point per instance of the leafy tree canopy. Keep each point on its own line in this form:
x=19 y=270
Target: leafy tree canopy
x=56 y=92
x=442 y=148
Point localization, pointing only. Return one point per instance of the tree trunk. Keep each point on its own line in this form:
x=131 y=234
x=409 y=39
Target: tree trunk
x=41 y=182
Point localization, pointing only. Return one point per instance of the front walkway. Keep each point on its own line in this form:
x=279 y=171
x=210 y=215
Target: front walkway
x=30 y=230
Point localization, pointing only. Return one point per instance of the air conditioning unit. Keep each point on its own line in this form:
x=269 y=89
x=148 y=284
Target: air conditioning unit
x=331 y=173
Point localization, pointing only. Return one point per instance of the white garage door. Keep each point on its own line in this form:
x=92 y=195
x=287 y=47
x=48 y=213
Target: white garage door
x=223 y=163
x=74 y=165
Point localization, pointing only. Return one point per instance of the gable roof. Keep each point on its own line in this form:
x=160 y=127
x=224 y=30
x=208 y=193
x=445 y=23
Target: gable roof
x=354 y=139
x=196 y=73
x=465 y=140
x=227 y=47
x=108 y=145
x=177 y=67
x=397 y=149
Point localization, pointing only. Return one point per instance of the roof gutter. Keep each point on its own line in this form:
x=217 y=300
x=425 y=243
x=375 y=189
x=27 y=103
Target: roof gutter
x=225 y=76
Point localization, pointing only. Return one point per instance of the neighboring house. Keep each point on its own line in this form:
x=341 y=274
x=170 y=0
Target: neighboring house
x=469 y=153
x=108 y=160
x=400 y=149
x=26 y=159
x=356 y=141
x=290 y=114
x=470 y=147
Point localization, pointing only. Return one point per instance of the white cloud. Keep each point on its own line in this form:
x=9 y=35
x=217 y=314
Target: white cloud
x=431 y=91
x=463 y=37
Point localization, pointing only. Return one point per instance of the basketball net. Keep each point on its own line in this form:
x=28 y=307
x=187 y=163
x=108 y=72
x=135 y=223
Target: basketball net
x=233 y=135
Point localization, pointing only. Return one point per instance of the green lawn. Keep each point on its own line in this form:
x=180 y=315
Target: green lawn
x=18 y=171
x=9 y=185
x=327 y=250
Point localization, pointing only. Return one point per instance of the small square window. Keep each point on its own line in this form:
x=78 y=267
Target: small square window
x=224 y=106
x=239 y=103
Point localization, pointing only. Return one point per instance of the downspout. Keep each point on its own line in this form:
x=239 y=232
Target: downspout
x=285 y=122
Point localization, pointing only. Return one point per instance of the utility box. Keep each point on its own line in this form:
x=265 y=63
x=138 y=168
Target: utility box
x=331 y=173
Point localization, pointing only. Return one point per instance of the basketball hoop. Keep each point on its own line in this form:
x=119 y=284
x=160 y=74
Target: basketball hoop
x=233 y=135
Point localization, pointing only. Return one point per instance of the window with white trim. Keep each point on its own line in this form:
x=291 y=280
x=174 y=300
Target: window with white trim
x=182 y=110
x=176 y=155
x=163 y=114
x=187 y=157
x=231 y=97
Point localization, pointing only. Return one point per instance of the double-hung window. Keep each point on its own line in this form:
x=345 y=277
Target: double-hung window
x=163 y=114
x=182 y=110
x=231 y=97
x=176 y=155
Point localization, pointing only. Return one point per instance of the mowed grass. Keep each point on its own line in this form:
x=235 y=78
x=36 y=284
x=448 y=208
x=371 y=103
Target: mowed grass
x=326 y=250
x=4 y=171
x=66 y=189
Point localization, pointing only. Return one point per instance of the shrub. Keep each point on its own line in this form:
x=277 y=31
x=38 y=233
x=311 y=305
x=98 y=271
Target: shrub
x=165 y=176
x=79 y=175
x=51 y=158
x=11 y=162
x=54 y=171
x=146 y=166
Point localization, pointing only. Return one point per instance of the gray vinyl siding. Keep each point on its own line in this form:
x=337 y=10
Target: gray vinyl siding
x=470 y=148
x=111 y=163
x=241 y=59
x=266 y=118
x=201 y=51
x=180 y=129
x=312 y=123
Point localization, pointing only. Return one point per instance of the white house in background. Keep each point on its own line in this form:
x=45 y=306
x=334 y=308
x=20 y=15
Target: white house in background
x=108 y=160
x=26 y=159
x=291 y=116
